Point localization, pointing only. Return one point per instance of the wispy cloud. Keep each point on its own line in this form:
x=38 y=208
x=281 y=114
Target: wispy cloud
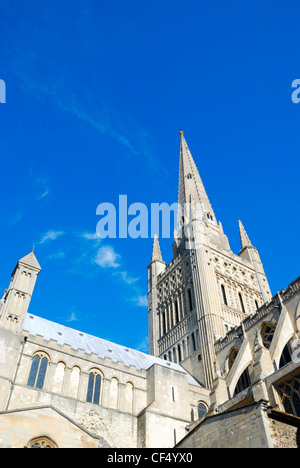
x=90 y=236
x=141 y=301
x=107 y=257
x=42 y=188
x=86 y=249
x=127 y=278
x=50 y=236
x=72 y=318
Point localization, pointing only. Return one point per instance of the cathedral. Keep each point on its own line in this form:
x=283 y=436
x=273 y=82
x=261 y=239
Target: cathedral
x=223 y=369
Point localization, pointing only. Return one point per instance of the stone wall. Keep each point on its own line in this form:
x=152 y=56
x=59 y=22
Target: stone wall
x=18 y=428
x=246 y=427
x=285 y=430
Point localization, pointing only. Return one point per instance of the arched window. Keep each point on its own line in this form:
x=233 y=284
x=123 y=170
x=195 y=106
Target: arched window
x=242 y=303
x=74 y=382
x=193 y=342
x=41 y=442
x=38 y=370
x=129 y=397
x=179 y=353
x=94 y=387
x=286 y=355
x=176 y=312
x=289 y=393
x=224 y=295
x=113 y=396
x=267 y=334
x=202 y=410
x=190 y=300
x=58 y=378
x=164 y=328
x=243 y=383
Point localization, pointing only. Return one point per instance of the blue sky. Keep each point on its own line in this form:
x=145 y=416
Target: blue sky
x=96 y=95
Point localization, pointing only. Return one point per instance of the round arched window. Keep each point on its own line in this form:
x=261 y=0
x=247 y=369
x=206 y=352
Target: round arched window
x=202 y=410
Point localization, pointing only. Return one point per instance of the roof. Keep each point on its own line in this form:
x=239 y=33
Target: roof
x=30 y=260
x=91 y=344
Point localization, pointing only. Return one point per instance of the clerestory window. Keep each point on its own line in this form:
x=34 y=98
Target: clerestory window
x=94 y=387
x=38 y=370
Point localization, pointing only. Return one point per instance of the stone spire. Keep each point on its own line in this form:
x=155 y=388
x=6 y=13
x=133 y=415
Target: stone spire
x=30 y=260
x=156 y=253
x=191 y=188
x=245 y=241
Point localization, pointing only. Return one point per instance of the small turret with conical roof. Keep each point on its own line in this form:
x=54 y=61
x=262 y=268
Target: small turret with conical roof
x=16 y=299
x=251 y=254
x=156 y=267
x=156 y=253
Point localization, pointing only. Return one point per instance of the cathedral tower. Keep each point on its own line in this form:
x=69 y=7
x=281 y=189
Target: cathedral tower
x=207 y=289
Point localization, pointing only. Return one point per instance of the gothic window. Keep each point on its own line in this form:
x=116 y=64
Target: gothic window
x=197 y=338
x=242 y=303
x=202 y=410
x=41 y=442
x=289 y=393
x=179 y=353
x=243 y=382
x=224 y=295
x=267 y=334
x=193 y=343
x=171 y=313
x=164 y=323
x=286 y=355
x=174 y=355
x=256 y=305
x=38 y=370
x=190 y=300
x=189 y=176
x=176 y=312
x=94 y=387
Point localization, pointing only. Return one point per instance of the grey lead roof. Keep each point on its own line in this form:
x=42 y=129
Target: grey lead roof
x=91 y=344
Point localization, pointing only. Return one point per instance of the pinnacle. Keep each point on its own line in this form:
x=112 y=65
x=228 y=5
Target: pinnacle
x=245 y=241
x=156 y=253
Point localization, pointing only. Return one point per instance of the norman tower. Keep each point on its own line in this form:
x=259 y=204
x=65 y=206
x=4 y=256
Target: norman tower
x=206 y=290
